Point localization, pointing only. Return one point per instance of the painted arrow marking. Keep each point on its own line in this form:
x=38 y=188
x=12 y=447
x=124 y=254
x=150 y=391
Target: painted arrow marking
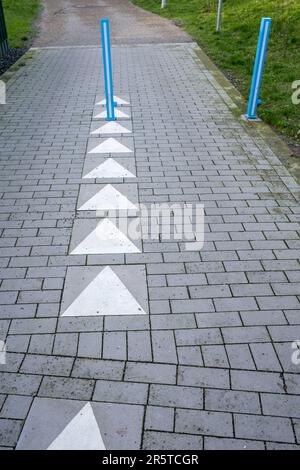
x=106 y=238
x=82 y=433
x=117 y=100
x=111 y=127
x=105 y=295
x=118 y=114
x=110 y=169
x=108 y=198
x=110 y=145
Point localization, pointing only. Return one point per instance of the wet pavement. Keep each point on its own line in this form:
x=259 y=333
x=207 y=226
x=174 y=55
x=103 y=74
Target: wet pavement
x=112 y=339
x=76 y=23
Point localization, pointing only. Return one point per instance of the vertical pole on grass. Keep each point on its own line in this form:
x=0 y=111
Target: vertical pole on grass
x=254 y=99
x=107 y=66
x=219 y=19
x=163 y=3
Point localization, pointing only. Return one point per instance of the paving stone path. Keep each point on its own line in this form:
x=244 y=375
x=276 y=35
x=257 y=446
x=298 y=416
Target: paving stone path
x=140 y=344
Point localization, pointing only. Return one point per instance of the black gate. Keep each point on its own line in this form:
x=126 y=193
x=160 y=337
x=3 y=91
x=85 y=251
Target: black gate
x=3 y=33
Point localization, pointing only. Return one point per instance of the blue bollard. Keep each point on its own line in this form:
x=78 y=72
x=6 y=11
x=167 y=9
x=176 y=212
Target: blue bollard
x=260 y=59
x=107 y=65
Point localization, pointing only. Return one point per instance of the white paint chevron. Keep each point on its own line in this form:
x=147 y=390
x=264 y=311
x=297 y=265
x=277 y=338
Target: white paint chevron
x=117 y=100
x=105 y=295
x=111 y=127
x=109 y=169
x=108 y=198
x=118 y=114
x=82 y=433
x=110 y=145
x=105 y=238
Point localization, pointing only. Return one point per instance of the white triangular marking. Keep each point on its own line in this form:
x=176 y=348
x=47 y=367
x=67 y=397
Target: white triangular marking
x=116 y=100
x=105 y=295
x=118 y=114
x=110 y=169
x=82 y=433
x=106 y=238
x=111 y=127
x=108 y=198
x=111 y=145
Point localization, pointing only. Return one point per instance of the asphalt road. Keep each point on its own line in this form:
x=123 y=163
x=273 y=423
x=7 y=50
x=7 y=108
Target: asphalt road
x=76 y=23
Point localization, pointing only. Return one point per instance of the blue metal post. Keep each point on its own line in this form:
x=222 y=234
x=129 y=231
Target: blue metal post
x=260 y=59
x=107 y=65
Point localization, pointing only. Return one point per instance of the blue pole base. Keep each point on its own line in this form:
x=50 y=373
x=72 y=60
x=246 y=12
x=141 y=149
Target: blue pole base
x=247 y=118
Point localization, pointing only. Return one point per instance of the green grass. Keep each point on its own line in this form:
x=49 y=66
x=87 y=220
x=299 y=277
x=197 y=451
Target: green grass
x=233 y=50
x=20 y=16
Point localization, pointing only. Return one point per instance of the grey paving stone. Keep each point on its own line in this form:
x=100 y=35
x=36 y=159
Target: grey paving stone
x=278 y=446
x=257 y=381
x=127 y=323
x=232 y=401
x=159 y=306
x=171 y=441
x=89 y=324
x=16 y=407
x=235 y=304
x=175 y=396
x=198 y=337
x=20 y=384
x=263 y=317
x=18 y=311
x=2 y=400
x=98 y=369
x=47 y=365
x=65 y=344
x=114 y=345
x=296 y=423
x=65 y=387
x=266 y=428
x=292 y=382
x=139 y=346
x=245 y=334
x=190 y=355
x=203 y=422
x=155 y=373
x=17 y=343
x=120 y=392
x=186 y=279
x=159 y=418
x=265 y=357
x=41 y=344
x=33 y=326
x=203 y=292
x=90 y=345
x=217 y=443
x=214 y=356
x=203 y=377
x=207 y=320
x=192 y=306
x=285 y=353
x=9 y=431
x=284 y=333
x=281 y=405
x=164 y=348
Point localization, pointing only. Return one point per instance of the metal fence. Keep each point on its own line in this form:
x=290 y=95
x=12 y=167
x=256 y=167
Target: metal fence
x=3 y=33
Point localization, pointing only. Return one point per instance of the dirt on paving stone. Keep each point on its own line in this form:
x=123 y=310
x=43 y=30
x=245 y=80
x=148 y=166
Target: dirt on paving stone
x=76 y=23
